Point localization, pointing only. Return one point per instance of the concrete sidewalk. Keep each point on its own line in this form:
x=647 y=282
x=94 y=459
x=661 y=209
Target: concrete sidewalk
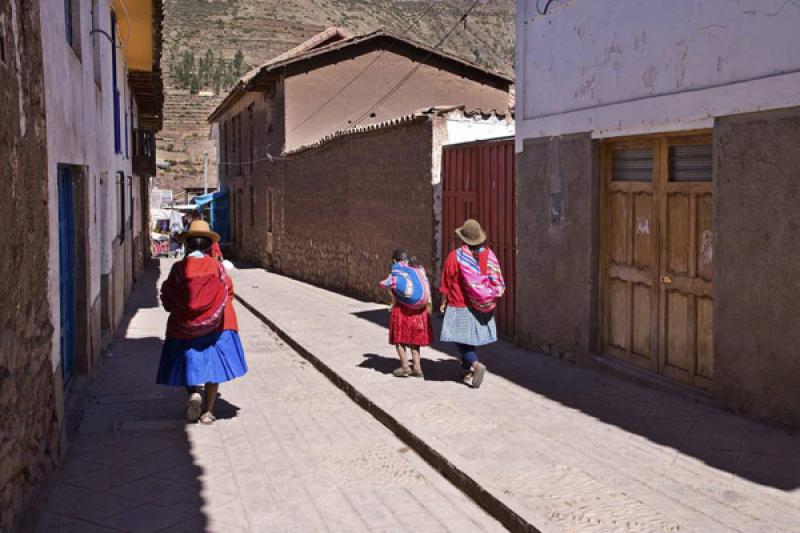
x=288 y=453
x=544 y=443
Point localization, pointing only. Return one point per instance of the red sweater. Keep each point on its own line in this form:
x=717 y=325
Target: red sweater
x=197 y=296
x=452 y=285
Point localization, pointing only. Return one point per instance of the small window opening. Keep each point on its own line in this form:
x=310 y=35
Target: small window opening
x=2 y=41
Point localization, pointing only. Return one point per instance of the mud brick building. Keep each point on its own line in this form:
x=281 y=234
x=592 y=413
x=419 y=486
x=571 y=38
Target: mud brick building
x=326 y=176
x=79 y=108
x=657 y=183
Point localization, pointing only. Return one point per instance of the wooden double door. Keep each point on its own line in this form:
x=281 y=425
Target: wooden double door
x=656 y=299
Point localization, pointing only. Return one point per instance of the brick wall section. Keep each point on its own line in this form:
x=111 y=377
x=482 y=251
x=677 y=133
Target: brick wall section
x=342 y=208
x=29 y=432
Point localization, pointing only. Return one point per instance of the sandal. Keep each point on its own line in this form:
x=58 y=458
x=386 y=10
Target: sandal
x=467 y=378
x=193 y=407
x=415 y=374
x=401 y=372
x=207 y=419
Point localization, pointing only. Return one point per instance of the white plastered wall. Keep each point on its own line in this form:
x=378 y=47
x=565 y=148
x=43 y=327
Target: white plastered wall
x=619 y=67
x=80 y=132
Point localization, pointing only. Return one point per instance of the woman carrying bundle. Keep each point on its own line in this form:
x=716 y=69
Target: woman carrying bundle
x=472 y=282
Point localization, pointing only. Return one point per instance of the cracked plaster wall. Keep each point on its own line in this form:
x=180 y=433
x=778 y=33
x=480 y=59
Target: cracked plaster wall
x=617 y=67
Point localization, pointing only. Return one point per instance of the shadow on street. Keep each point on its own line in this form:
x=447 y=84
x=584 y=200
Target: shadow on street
x=130 y=464
x=749 y=449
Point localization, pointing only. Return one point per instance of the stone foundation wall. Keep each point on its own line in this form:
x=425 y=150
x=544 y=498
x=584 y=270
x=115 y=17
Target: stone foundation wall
x=30 y=430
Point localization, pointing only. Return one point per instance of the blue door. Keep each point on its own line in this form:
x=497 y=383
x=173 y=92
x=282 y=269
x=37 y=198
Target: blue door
x=66 y=270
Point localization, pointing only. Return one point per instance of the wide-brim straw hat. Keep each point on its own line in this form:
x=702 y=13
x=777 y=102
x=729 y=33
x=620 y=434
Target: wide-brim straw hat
x=200 y=228
x=471 y=233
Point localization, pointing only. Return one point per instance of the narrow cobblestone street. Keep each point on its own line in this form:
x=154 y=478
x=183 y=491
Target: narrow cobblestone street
x=289 y=452
x=566 y=448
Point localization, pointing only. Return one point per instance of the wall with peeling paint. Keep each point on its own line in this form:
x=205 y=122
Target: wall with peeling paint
x=620 y=67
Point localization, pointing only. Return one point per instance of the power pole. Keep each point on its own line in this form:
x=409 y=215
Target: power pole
x=205 y=172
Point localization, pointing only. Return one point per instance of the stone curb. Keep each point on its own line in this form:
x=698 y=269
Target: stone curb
x=466 y=484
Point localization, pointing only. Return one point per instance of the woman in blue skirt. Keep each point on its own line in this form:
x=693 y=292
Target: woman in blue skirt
x=202 y=347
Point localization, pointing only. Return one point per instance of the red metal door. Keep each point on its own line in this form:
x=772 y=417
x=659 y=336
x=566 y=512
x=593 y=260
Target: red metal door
x=478 y=182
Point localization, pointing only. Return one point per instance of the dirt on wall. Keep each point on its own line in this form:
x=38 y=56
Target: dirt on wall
x=29 y=433
x=342 y=208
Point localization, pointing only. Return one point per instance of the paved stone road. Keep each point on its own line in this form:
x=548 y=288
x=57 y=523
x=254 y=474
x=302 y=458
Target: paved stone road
x=568 y=449
x=289 y=452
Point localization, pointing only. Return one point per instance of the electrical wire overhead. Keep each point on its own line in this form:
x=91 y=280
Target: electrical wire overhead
x=362 y=71
x=404 y=79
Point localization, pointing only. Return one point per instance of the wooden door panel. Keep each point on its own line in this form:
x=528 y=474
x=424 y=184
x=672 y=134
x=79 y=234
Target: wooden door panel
x=678 y=349
x=618 y=310
x=643 y=250
x=677 y=226
x=705 y=252
x=658 y=257
x=642 y=339
x=618 y=207
x=705 y=338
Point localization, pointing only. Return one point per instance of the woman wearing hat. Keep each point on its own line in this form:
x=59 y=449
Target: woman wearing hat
x=202 y=345
x=471 y=284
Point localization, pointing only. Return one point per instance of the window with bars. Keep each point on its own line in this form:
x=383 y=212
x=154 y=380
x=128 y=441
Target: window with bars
x=96 y=44
x=269 y=211
x=252 y=207
x=72 y=25
x=251 y=125
x=691 y=162
x=2 y=41
x=632 y=165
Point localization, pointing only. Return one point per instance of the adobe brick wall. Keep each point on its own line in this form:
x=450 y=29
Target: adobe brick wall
x=341 y=208
x=30 y=428
x=757 y=263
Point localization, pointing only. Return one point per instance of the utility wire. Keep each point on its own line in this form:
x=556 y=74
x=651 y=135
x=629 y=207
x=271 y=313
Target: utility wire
x=328 y=101
x=392 y=91
x=419 y=65
x=546 y=7
x=364 y=70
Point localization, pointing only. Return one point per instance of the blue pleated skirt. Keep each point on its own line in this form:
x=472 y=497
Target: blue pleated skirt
x=215 y=358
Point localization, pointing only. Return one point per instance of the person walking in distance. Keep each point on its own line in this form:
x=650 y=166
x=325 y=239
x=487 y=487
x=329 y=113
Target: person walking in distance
x=202 y=345
x=472 y=282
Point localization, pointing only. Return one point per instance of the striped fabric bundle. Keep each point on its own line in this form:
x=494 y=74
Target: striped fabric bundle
x=482 y=278
x=409 y=285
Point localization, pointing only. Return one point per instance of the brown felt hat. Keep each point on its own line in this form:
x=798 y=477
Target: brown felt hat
x=471 y=232
x=200 y=228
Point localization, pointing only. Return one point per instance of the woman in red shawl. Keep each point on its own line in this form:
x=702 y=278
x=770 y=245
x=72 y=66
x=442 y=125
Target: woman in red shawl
x=202 y=345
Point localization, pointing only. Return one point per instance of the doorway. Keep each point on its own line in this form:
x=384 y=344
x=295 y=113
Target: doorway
x=656 y=273
x=66 y=270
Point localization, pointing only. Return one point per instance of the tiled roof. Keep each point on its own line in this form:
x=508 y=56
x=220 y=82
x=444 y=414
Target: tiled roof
x=422 y=114
x=301 y=58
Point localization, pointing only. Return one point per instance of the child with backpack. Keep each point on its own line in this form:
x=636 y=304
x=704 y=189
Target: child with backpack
x=410 y=323
x=472 y=282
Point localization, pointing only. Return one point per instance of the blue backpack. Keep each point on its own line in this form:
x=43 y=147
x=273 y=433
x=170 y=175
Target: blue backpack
x=410 y=286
